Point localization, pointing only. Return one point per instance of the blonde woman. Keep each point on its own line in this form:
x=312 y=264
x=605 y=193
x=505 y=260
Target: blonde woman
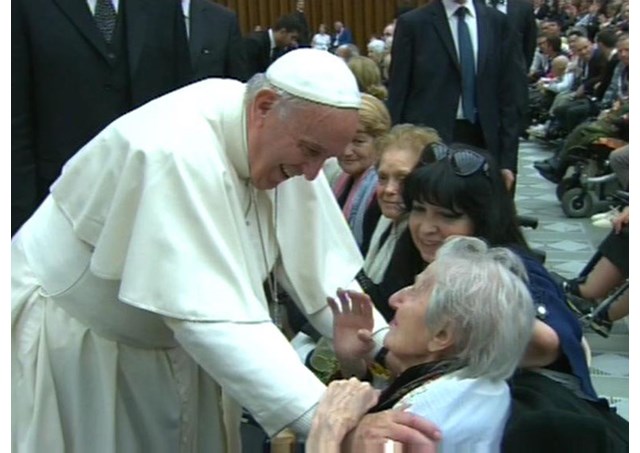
x=355 y=186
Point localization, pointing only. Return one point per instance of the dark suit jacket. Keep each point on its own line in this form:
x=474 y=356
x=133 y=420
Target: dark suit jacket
x=303 y=36
x=606 y=77
x=597 y=67
x=215 y=42
x=425 y=80
x=62 y=92
x=258 y=51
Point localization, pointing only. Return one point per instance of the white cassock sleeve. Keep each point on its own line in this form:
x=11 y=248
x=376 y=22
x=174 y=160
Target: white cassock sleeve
x=255 y=365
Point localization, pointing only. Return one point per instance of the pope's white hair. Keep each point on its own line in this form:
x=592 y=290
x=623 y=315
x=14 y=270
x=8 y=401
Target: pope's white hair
x=482 y=294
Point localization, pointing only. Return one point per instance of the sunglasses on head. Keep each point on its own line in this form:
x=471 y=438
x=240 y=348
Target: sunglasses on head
x=465 y=162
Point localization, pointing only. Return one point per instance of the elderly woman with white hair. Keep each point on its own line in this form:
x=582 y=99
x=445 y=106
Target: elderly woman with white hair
x=458 y=333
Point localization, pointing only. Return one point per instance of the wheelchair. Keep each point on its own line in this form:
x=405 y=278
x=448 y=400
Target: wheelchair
x=592 y=186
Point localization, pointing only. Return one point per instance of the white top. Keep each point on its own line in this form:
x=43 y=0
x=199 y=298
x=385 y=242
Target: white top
x=321 y=41
x=471 y=413
x=92 y=5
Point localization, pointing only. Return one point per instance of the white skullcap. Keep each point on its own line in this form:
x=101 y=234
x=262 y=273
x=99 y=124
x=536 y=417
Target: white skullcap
x=315 y=75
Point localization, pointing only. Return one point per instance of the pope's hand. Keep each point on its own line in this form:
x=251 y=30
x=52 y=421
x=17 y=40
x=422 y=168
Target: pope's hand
x=374 y=430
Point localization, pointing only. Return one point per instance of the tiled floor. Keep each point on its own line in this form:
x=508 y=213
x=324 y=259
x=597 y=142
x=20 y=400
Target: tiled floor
x=569 y=244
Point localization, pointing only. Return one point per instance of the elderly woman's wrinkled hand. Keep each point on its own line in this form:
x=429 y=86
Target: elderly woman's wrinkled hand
x=352 y=325
x=341 y=408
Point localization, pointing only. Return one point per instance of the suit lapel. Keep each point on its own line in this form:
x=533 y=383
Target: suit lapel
x=441 y=23
x=198 y=18
x=136 y=20
x=483 y=33
x=80 y=15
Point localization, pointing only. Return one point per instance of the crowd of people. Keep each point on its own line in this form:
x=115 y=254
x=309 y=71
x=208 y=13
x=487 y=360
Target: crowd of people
x=209 y=202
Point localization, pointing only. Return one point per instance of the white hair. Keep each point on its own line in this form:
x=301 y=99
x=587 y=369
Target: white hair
x=376 y=46
x=482 y=294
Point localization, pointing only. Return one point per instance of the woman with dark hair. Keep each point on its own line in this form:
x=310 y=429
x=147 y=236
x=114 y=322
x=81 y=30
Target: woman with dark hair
x=460 y=191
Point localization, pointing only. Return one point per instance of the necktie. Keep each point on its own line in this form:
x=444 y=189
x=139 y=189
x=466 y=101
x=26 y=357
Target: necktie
x=105 y=17
x=467 y=66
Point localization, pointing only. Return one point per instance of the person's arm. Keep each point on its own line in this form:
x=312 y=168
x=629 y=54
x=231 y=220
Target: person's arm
x=621 y=220
x=563 y=84
x=255 y=364
x=340 y=409
x=530 y=35
x=543 y=348
x=400 y=69
x=507 y=100
x=376 y=430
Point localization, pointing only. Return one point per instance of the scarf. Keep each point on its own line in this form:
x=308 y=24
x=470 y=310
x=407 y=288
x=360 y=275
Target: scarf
x=412 y=378
x=361 y=193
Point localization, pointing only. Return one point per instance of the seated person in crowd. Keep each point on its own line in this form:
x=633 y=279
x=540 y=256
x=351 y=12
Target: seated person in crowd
x=572 y=107
x=613 y=121
x=579 y=104
x=609 y=272
x=458 y=334
x=355 y=186
x=548 y=88
x=347 y=51
x=368 y=76
x=322 y=39
x=399 y=153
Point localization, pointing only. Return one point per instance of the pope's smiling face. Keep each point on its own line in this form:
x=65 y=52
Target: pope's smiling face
x=294 y=140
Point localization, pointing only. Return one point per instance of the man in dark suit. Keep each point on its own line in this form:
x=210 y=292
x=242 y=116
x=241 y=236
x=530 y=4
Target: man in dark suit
x=215 y=41
x=426 y=79
x=69 y=79
x=304 y=38
x=264 y=47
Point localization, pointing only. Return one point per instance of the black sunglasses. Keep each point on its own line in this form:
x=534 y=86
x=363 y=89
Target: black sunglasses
x=465 y=162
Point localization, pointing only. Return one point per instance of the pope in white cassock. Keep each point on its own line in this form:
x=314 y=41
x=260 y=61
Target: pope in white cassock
x=137 y=304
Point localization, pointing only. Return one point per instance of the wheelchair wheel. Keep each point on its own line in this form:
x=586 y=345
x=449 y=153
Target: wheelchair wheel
x=577 y=203
x=564 y=185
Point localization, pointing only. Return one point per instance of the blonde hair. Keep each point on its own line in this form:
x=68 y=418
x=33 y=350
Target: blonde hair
x=368 y=76
x=407 y=136
x=374 y=116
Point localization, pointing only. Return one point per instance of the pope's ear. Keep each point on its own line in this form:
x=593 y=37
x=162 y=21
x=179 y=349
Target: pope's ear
x=262 y=103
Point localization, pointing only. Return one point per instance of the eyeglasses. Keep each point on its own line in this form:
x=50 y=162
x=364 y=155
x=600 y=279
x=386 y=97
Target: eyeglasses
x=465 y=162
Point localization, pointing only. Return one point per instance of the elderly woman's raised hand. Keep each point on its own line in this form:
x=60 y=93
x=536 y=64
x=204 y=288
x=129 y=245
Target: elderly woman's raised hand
x=352 y=326
x=340 y=409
